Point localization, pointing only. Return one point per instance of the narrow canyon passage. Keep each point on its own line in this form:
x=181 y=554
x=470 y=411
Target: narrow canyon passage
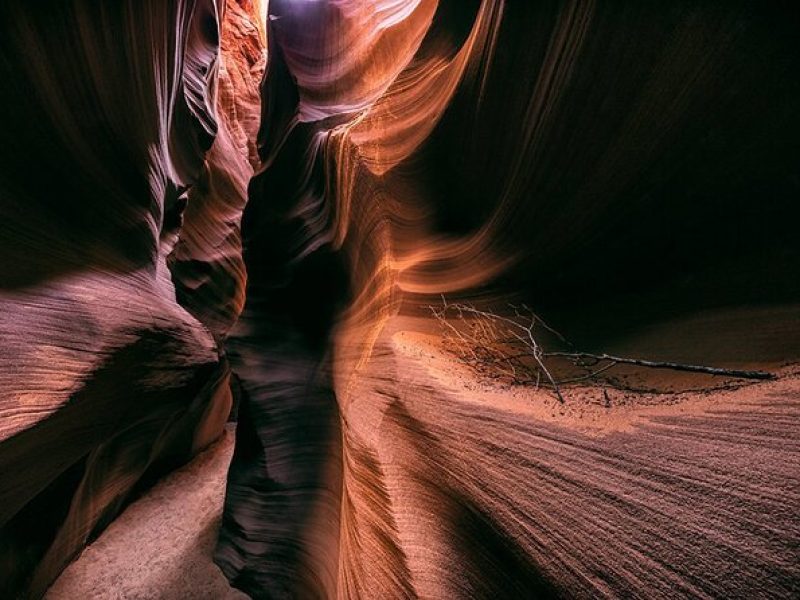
x=355 y=299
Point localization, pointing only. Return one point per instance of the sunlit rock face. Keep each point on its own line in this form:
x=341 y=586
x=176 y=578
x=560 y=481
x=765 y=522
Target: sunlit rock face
x=603 y=161
x=206 y=263
x=111 y=112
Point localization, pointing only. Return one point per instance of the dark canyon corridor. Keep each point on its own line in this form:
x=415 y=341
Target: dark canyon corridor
x=399 y=299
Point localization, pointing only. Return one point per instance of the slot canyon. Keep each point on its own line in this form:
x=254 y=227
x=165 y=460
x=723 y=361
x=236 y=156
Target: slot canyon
x=382 y=299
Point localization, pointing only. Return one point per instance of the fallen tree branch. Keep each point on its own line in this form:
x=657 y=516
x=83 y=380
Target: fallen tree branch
x=507 y=347
x=486 y=328
x=655 y=364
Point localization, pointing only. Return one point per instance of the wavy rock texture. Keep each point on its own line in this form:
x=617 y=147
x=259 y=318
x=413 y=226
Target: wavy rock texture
x=173 y=198
x=626 y=167
x=206 y=263
x=107 y=379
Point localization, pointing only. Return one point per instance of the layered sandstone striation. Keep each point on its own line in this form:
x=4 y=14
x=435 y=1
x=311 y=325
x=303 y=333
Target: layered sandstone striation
x=189 y=192
x=111 y=114
x=618 y=166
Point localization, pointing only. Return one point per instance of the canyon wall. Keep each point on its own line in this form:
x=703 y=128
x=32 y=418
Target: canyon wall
x=619 y=166
x=169 y=210
x=114 y=293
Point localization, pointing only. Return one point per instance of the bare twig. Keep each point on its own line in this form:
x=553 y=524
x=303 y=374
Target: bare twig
x=655 y=364
x=485 y=328
x=506 y=347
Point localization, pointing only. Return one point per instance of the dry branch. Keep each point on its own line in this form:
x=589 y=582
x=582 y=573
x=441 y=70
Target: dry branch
x=655 y=364
x=508 y=348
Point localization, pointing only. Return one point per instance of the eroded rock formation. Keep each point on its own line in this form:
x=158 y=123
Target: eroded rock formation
x=186 y=187
x=108 y=379
x=591 y=155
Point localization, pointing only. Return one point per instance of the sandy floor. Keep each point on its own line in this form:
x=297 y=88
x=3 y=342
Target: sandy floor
x=160 y=547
